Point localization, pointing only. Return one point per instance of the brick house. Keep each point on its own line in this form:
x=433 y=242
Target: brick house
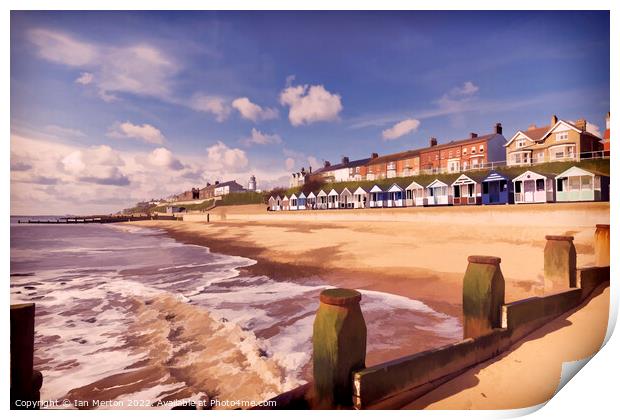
x=606 y=136
x=561 y=140
x=461 y=155
x=393 y=165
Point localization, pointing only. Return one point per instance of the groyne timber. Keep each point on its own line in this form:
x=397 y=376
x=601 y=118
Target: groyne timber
x=97 y=219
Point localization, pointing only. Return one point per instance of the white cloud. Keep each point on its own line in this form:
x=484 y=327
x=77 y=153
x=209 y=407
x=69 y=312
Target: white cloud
x=310 y=104
x=400 y=129
x=58 y=131
x=253 y=112
x=145 y=132
x=222 y=157
x=211 y=104
x=136 y=69
x=467 y=89
x=163 y=158
x=85 y=78
x=289 y=163
x=258 y=137
x=314 y=162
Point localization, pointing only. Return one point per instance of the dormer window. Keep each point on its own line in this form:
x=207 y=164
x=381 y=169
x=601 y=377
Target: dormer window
x=561 y=136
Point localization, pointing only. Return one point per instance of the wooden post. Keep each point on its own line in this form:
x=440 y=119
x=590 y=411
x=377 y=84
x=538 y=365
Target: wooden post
x=601 y=245
x=560 y=263
x=25 y=381
x=339 y=347
x=483 y=296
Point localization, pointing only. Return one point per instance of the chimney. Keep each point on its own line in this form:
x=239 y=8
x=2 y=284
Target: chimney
x=217 y=182
x=309 y=169
x=531 y=127
x=581 y=124
x=303 y=170
x=607 y=121
x=554 y=120
x=374 y=155
x=498 y=128
x=208 y=184
x=433 y=142
x=345 y=160
x=327 y=164
x=473 y=135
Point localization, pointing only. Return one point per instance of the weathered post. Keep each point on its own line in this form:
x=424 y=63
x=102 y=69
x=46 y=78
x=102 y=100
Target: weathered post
x=339 y=347
x=25 y=381
x=601 y=245
x=483 y=296
x=560 y=263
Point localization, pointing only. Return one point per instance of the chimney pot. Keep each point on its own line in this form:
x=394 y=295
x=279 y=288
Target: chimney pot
x=498 y=128
x=554 y=119
x=345 y=160
x=473 y=135
x=374 y=155
x=327 y=164
x=581 y=124
x=532 y=127
x=433 y=142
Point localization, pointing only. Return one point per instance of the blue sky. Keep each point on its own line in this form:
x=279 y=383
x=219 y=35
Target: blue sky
x=133 y=105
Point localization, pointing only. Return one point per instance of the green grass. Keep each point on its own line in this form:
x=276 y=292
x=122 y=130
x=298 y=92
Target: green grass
x=599 y=165
x=240 y=198
x=200 y=206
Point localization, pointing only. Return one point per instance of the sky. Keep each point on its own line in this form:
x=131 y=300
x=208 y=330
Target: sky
x=111 y=108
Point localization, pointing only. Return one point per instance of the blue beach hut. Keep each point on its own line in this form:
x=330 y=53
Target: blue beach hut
x=497 y=188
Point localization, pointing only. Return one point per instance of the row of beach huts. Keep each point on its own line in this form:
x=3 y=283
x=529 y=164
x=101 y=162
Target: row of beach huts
x=574 y=184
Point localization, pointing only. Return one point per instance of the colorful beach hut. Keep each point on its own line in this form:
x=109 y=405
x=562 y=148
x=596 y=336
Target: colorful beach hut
x=437 y=194
x=467 y=190
x=311 y=201
x=332 y=199
x=533 y=187
x=414 y=194
x=577 y=184
x=377 y=197
x=360 y=198
x=321 y=199
x=301 y=201
x=346 y=199
x=395 y=196
x=271 y=203
x=293 y=202
x=497 y=188
x=285 y=203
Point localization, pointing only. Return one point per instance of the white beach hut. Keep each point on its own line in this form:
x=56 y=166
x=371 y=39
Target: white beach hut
x=285 y=203
x=278 y=203
x=377 y=197
x=577 y=184
x=346 y=199
x=271 y=203
x=437 y=194
x=332 y=199
x=311 y=201
x=321 y=199
x=395 y=196
x=414 y=194
x=467 y=190
x=293 y=202
x=533 y=187
x=360 y=198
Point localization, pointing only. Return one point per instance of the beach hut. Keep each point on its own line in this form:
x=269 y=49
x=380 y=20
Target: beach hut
x=301 y=201
x=271 y=203
x=293 y=202
x=346 y=199
x=437 y=194
x=321 y=199
x=285 y=203
x=395 y=196
x=332 y=199
x=467 y=190
x=533 y=187
x=360 y=198
x=414 y=194
x=377 y=197
x=311 y=201
x=497 y=188
x=278 y=203
x=577 y=184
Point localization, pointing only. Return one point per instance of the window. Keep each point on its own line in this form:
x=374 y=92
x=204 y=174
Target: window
x=561 y=183
x=574 y=183
x=503 y=185
x=481 y=148
x=559 y=155
x=561 y=136
x=457 y=191
x=586 y=182
x=391 y=166
x=520 y=142
x=471 y=190
x=464 y=151
x=540 y=185
x=518 y=187
x=485 y=188
x=473 y=149
x=541 y=156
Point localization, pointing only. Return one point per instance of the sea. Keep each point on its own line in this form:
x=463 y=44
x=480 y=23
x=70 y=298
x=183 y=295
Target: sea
x=129 y=316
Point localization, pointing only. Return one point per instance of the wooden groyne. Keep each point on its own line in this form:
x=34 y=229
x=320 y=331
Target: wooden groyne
x=97 y=219
x=491 y=327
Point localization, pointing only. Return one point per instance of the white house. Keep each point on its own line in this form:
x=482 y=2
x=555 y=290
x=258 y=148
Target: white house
x=532 y=187
x=332 y=199
x=360 y=198
x=414 y=194
x=395 y=196
x=437 y=194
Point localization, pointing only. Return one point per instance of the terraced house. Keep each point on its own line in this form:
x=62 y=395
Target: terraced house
x=393 y=165
x=561 y=140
